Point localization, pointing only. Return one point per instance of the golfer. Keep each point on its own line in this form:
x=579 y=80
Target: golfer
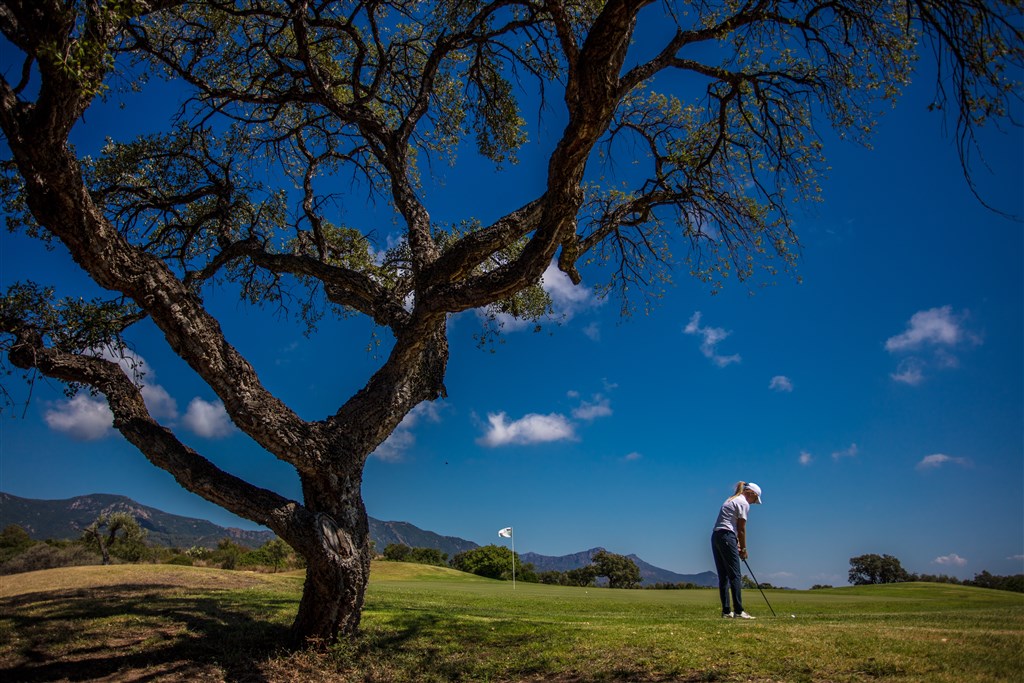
x=729 y=544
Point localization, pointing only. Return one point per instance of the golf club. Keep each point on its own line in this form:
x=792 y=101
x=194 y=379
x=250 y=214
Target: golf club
x=758 y=584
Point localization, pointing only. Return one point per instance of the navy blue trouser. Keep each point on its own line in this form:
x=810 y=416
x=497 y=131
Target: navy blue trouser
x=727 y=564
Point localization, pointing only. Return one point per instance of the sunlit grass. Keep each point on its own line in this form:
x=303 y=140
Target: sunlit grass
x=434 y=624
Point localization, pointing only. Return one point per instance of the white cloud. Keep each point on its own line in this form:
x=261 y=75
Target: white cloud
x=934 y=327
x=934 y=333
x=936 y=460
x=161 y=404
x=529 y=429
x=208 y=420
x=566 y=298
x=1016 y=557
x=402 y=438
x=952 y=559
x=711 y=337
x=593 y=331
x=600 y=406
x=632 y=456
x=850 y=452
x=83 y=418
x=781 y=383
x=806 y=458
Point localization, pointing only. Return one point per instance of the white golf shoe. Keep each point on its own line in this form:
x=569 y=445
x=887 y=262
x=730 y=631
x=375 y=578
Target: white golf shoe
x=744 y=615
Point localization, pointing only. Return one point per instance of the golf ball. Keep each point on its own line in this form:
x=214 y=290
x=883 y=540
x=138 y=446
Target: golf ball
x=793 y=616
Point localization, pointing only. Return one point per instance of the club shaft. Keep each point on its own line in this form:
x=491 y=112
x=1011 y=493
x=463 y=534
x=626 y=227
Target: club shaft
x=758 y=584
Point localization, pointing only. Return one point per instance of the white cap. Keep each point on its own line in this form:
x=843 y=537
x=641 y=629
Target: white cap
x=756 y=489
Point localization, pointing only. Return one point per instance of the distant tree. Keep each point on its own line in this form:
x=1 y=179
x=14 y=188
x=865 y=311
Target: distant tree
x=527 y=573
x=551 y=577
x=581 y=576
x=50 y=555
x=492 y=561
x=277 y=552
x=935 y=578
x=820 y=586
x=117 y=534
x=399 y=552
x=14 y=540
x=227 y=553
x=620 y=571
x=875 y=569
x=290 y=112
x=984 y=579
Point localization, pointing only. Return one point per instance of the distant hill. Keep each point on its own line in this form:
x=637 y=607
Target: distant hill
x=384 y=534
x=61 y=519
x=649 y=574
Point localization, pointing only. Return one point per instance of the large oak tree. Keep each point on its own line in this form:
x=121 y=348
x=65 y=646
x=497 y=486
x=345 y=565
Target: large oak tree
x=722 y=118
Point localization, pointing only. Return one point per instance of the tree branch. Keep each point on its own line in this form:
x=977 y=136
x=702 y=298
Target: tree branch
x=132 y=419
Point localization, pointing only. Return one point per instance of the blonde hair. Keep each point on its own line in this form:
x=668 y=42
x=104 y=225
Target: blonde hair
x=739 y=489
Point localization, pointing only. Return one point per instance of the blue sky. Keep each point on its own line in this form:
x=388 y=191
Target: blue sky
x=878 y=403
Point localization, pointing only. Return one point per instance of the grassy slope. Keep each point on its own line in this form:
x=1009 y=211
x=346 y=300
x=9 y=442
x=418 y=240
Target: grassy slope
x=433 y=624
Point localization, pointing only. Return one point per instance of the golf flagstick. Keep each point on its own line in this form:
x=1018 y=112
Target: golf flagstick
x=507 y=533
x=758 y=584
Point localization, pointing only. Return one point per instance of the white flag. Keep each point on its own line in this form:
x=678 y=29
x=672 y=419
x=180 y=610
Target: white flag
x=506 y=532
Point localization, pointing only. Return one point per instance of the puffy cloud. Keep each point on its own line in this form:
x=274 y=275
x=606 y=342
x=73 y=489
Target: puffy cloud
x=208 y=420
x=780 y=383
x=936 y=326
x=806 y=458
x=952 y=560
x=937 y=460
x=593 y=331
x=934 y=333
x=850 y=452
x=83 y=418
x=711 y=337
x=402 y=438
x=530 y=429
x=161 y=404
x=632 y=456
x=566 y=298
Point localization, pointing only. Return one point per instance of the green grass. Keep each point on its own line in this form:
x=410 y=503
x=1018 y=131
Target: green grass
x=432 y=624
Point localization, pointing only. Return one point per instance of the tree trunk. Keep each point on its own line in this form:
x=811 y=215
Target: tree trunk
x=337 y=553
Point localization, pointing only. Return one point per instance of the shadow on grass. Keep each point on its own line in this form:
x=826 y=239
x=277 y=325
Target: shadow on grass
x=139 y=633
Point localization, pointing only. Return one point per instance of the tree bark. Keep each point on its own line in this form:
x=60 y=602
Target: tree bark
x=337 y=553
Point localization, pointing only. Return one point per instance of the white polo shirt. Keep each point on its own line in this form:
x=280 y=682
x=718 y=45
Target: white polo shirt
x=735 y=508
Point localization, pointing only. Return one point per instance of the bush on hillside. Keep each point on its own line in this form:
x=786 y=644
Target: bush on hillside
x=1013 y=583
x=50 y=555
x=14 y=540
x=398 y=552
x=492 y=561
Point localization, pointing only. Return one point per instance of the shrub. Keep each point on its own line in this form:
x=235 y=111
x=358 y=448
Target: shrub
x=50 y=556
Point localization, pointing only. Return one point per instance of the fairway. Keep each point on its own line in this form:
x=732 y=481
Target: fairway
x=423 y=623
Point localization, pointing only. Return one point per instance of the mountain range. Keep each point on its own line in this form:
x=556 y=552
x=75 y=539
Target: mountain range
x=65 y=519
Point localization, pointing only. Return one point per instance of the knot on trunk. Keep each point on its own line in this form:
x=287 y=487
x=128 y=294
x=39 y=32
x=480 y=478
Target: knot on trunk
x=332 y=538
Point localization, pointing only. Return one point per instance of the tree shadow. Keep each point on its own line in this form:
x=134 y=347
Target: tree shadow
x=140 y=632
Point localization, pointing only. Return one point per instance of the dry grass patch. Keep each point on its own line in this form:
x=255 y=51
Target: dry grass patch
x=142 y=623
